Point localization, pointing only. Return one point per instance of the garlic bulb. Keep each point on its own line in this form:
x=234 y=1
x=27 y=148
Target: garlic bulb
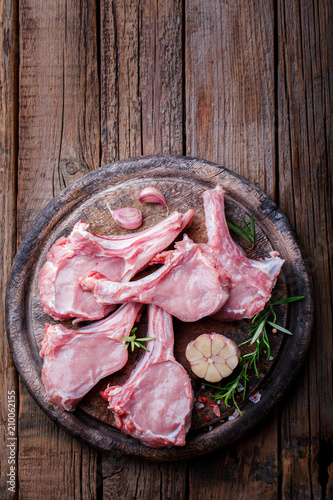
x=152 y=195
x=212 y=356
x=128 y=218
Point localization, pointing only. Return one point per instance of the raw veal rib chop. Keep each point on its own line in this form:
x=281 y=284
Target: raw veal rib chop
x=156 y=402
x=190 y=285
x=117 y=257
x=75 y=360
x=251 y=280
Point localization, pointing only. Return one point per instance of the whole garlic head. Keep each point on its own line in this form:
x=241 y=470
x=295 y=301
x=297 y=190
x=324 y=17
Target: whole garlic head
x=212 y=356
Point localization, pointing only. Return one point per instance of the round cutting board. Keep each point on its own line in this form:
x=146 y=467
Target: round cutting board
x=182 y=180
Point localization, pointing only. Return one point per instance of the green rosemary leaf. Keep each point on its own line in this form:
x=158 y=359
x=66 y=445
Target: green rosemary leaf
x=255 y=366
x=253 y=231
x=258 y=332
x=128 y=339
x=247 y=226
x=278 y=327
x=245 y=342
x=137 y=344
x=238 y=230
x=146 y=339
x=288 y=300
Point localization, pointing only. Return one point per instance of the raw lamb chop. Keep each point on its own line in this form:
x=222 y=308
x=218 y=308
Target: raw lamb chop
x=117 y=257
x=251 y=280
x=75 y=360
x=190 y=285
x=156 y=402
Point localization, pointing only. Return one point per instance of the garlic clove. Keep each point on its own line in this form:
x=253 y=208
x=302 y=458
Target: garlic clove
x=212 y=374
x=217 y=345
x=200 y=369
x=212 y=356
x=227 y=351
x=128 y=217
x=192 y=353
x=232 y=362
x=152 y=195
x=204 y=345
x=224 y=369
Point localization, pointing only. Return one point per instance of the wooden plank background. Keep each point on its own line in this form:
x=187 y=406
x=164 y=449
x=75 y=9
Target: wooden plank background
x=247 y=84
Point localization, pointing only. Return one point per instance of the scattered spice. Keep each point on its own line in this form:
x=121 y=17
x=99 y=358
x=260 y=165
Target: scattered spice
x=203 y=399
x=255 y=398
x=217 y=411
x=199 y=405
x=207 y=418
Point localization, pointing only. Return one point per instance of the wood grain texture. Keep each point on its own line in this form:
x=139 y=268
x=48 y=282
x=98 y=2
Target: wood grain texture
x=141 y=78
x=59 y=141
x=254 y=461
x=8 y=165
x=229 y=72
x=121 y=107
x=305 y=133
x=161 y=76
x=126 y=478
x=230 y=101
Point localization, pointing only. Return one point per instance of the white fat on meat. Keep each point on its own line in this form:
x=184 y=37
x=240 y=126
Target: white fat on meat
x=118 y=258
x=75 y=360
x=156 y=402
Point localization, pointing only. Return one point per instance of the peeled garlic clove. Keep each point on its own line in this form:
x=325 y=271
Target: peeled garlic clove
x=128 y=218
x=152 y=195
x=212 y=356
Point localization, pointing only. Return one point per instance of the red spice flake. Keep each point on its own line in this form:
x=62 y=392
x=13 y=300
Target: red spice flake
x=255 y=395
x=251 y=387
x=207 y=418
x=216 y=410
x=203 y=399
x=211 y=403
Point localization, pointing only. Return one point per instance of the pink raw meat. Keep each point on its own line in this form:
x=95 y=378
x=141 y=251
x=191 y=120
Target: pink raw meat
x=75 y=360
x=251 y=280
x=156 y=402
x=117 y=257
x=190 y=285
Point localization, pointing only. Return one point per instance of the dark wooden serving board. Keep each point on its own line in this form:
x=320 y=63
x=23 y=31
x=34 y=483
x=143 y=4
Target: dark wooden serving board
x=182 y=180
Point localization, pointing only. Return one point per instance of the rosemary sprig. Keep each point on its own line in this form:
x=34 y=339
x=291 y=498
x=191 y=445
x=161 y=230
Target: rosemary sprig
x=134 y=342
x=259 y=337
x=247 y=232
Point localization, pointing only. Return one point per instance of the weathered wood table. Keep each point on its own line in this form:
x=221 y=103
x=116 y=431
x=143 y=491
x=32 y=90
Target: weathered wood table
x=242 y=83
